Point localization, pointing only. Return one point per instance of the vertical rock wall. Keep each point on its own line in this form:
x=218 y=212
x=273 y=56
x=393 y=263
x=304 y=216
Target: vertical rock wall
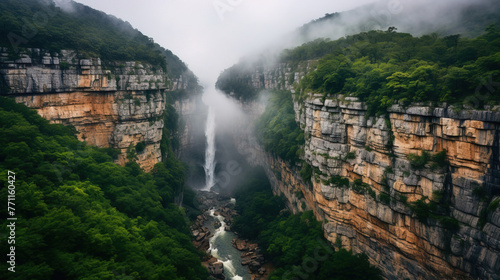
x=377 y=214
x=114 y=105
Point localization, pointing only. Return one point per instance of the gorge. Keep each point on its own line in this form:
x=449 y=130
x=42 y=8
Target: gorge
x=385 y=145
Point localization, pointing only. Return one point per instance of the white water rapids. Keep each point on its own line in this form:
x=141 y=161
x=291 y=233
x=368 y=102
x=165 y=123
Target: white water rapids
x=221 y=249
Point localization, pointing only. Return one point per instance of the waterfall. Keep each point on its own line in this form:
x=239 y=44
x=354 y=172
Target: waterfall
x=224 y=116
x=210 y=150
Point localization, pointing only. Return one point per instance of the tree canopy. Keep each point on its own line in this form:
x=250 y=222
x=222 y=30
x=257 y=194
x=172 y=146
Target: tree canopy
x=386 y=67
x=42 y=24
x=277 y=130
x=80 y=216
x=383 y=68
x=294 y=243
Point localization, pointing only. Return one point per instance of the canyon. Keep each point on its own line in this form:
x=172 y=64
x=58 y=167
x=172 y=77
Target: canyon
x=385 y=210
x=413 y=186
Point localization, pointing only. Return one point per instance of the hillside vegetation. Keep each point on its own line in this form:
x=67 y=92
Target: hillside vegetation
x=383 y=68
x=41 y=24
x=386 y=67
x=277 y=130
x=294 y=243
x=80 y=216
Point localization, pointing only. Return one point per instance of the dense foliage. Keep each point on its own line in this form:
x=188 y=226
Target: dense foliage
x=294 y=243
x=277 y=129
x=80 y=216
x=385 y=67
x=256 y=204
x=237 y=81
x=41 y=24
x=382 y=68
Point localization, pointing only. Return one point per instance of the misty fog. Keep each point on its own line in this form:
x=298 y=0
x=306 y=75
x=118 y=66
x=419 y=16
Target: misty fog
x=210 y=38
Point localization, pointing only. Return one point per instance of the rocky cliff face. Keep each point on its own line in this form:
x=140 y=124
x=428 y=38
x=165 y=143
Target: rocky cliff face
x=388 y=212
x=423 y=184
x=114 y=105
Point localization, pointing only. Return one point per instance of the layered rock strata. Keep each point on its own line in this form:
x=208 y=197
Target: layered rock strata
x=379 y=214
x=112 y=104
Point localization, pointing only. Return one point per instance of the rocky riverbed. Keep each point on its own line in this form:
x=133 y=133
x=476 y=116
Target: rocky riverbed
x=218 y=211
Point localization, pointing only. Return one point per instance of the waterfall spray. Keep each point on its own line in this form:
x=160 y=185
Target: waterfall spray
x=210 y=150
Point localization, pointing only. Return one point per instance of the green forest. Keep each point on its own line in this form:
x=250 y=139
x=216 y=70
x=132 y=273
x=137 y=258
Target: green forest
x=383 y=68
x=41 y=24
x=236 y=80
x=386 y=67
x=294 y=243
x=277 y=130
x=80 y=216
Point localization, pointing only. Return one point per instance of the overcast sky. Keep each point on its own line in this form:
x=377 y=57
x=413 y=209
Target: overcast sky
x=211 y=35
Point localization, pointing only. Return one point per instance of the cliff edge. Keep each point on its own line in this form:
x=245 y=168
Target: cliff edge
x=111 y=104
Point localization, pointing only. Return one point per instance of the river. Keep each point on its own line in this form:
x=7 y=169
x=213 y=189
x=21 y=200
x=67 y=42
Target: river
x=222 y=249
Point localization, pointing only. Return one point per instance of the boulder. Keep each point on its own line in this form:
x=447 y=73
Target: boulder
x=216 y=269
x=262 y=270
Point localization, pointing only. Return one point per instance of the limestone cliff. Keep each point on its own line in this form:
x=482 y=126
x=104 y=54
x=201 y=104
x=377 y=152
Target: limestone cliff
x=111 y=104
x=416 y=215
